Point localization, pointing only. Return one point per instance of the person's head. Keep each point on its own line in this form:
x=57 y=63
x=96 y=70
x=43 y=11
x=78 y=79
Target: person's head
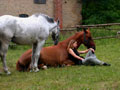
x=72 y=44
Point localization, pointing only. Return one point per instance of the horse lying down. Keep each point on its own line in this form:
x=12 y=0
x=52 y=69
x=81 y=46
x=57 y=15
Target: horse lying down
x=23 y=64
x=56 y=55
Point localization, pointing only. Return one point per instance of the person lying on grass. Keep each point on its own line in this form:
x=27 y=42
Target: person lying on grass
x=90 y=58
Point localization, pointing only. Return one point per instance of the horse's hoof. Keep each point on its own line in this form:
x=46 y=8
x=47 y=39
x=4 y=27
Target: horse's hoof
x=44 y=67
x=68 y=65
x=31 y=70
x=36 y=70
x=8 y=73
x=63 y=65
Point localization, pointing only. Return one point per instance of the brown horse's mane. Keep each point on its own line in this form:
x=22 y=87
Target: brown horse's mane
x=75 y=37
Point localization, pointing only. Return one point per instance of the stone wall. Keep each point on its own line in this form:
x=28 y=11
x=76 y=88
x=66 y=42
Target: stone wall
x=16 y=7
x=71 y=10
x=71 y=13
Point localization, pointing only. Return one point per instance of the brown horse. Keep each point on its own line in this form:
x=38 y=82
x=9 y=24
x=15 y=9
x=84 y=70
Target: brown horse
x=56 y=55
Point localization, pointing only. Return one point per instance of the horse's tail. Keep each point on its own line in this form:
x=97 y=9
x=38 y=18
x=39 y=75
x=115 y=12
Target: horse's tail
x=23 y=64
x=21 y=67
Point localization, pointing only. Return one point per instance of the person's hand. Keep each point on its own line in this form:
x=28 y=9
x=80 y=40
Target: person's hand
x=81 y=58
x=92 y=49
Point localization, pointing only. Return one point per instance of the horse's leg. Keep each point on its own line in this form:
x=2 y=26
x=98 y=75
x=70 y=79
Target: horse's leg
x=3 y=58
x=68 y=62
x=33 y=56
x=42 y=66
x=4 y=49
x=37 y=54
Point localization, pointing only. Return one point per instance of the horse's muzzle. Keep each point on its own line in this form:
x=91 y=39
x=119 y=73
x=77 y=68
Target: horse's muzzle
x=93 y=47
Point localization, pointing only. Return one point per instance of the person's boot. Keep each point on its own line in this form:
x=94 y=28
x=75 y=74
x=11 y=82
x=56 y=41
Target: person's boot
x=106 y=64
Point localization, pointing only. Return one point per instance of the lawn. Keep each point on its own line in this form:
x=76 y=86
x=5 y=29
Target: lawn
x=67 y=78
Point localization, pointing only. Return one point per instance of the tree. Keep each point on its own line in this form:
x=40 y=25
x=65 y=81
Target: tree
x=100 y=11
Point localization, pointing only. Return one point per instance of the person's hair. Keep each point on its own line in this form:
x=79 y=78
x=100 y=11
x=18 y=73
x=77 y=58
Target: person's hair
x=70 y=45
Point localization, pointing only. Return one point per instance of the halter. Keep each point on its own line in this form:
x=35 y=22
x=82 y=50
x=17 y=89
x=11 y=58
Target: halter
x=54 y=36
x=85 y=40
x=54 y=27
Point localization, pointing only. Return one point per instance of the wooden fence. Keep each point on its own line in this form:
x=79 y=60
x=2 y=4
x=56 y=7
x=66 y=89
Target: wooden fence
x=97 y=26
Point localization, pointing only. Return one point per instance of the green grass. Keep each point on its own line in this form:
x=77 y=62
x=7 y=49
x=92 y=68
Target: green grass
x=67 y=78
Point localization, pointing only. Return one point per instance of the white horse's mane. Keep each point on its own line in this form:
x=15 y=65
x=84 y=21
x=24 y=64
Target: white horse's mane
x=49 y=19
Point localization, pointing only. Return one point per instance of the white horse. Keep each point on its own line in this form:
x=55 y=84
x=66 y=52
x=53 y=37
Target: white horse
x=32 y=30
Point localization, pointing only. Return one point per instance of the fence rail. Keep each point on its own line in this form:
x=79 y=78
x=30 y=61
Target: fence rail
x=105 y=37
x=97 y=26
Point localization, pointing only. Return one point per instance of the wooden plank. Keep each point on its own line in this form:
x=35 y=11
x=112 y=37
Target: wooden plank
x=105 y=37
x=97 y=25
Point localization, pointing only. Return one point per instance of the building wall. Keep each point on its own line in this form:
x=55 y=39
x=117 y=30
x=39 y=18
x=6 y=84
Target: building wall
x=71 y=13
x=16 y=7
x=71 y=10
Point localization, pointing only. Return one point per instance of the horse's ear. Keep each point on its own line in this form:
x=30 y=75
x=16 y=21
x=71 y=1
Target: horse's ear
x=85 y=30
x=58 y=21
x=88 y=29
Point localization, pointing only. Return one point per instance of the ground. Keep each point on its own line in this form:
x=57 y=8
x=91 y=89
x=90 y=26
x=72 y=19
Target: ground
x=67 y=78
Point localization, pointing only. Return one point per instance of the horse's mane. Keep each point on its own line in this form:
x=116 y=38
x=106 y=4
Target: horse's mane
x=69 y=38
x=49 y=19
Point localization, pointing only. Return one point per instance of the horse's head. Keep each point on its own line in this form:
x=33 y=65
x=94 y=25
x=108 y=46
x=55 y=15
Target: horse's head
x=55 y=33
x=87 y=39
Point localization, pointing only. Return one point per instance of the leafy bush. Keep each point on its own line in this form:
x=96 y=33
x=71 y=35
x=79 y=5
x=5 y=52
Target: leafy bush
x=100 y=11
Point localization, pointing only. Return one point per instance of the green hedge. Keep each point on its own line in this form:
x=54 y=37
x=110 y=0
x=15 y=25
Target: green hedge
x=100 y=11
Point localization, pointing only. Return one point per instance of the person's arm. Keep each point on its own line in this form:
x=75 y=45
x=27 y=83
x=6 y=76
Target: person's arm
x=82 y=52
x=85 y=51
x=70 y=51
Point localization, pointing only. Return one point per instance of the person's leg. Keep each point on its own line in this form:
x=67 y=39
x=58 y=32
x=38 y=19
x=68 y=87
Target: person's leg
x=90 y=53
x=91 y=59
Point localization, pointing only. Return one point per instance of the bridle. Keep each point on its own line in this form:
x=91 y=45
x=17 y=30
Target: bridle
x=86 y=41
x=54 y=36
